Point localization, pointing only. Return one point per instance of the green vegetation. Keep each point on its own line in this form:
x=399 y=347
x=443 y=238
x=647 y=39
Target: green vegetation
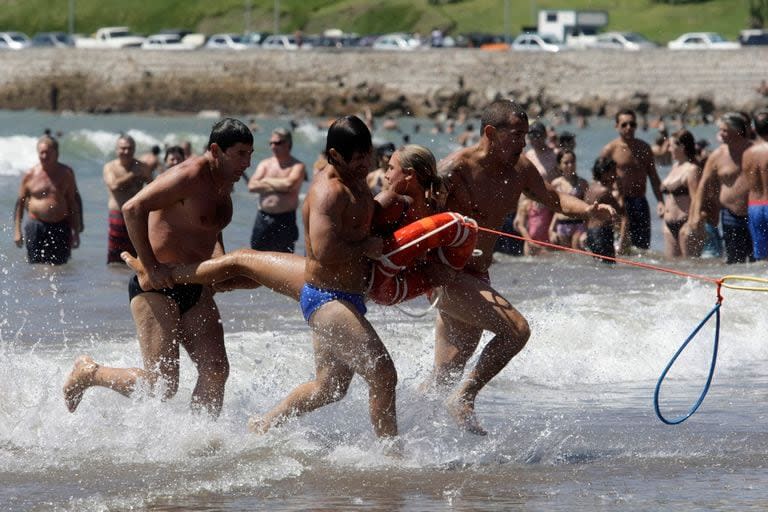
x=660 y=21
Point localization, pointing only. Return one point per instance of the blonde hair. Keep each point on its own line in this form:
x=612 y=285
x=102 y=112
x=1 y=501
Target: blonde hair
x=423 y=163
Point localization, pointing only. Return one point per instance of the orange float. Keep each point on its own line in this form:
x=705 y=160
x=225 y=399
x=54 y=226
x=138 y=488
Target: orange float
x=447 y=238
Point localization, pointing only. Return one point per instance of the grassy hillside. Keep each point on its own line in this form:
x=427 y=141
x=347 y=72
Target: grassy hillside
x=660 y=22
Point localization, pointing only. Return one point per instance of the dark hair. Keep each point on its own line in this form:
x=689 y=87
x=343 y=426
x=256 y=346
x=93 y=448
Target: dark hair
x=761 y=123
x=686 y=140
x=228 y=132
x=347 y=135
x=601 y=167
x=155 y=149
x=625 y=112
x=497 y=114
x=736 y=121
x=562 y=154
x=174 y=150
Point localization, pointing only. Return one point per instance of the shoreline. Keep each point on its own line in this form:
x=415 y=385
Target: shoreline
x=328 y=83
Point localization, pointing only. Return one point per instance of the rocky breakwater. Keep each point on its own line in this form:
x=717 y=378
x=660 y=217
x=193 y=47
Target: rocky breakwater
x=421 y=83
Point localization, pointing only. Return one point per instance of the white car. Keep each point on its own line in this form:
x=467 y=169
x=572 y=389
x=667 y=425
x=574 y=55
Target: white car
x=281 y=42
x=400 y=42
x=702 y=41
x=622 y=41
x=14 y=40
x=166 y=42
x=228 y=42
x=535 y=43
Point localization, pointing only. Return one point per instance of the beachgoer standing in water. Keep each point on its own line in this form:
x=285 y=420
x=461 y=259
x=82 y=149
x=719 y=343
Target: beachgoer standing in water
x=634 y=166
x=124 y=177
x=48 y=191
x=277 y=180
x=755 y=164
x=177 y=219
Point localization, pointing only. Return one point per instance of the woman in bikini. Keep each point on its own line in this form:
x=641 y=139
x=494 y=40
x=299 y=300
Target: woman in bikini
x=678 y=188
x=564 y=230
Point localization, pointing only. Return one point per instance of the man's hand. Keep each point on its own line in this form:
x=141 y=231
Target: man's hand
x=18 y=240
x=601 y=211
x=160 y=276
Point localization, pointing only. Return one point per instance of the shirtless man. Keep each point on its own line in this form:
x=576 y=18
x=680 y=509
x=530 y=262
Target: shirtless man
x=723 y=172
x=124 y=177
x=277 y=180
x=48 y=192
x=152 y=158
x=755 y=165
x=484 y=182
x=176 y=219
x=634 y=166
x=337 y=216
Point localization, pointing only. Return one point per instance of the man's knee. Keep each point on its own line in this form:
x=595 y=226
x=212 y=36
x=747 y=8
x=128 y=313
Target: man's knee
x=215 y=373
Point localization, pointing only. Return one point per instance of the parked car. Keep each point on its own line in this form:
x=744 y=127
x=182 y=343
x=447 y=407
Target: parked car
x=622 y=41
x=702 y=41
x=110 y=38
x=14 y=40
x=753 y=37
x=53 y=39
x=400 y=42
x=166 y=42
x=228 y=42
x=536 y=43
x=282 y=42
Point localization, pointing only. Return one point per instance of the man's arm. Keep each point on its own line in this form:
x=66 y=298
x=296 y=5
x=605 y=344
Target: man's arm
x=255 y=181
x=117 y=183
x=653 y=173
x=18 y=212
x=73 y=208
x=703 y=193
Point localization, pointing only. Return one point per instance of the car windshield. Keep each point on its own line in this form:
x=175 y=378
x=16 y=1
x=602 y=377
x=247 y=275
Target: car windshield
x=548 y=39
x=18 y=38
x=238 y=39
x=716 y=38
x=635 y=38
x=121 y=33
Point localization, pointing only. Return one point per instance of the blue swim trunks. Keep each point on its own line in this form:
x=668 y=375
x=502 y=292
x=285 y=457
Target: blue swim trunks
x=758 y=228
x=312 y=298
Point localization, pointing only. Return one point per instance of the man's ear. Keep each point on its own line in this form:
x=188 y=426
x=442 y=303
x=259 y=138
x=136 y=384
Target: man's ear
x=489 y=131
x=215 y=150
x=335 y=156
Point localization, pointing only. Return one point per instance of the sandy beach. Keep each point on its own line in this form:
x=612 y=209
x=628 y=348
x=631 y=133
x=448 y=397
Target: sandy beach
x=421 y=83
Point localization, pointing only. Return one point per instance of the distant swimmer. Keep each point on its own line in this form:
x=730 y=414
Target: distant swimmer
x=484 y=182
x=635 y=166
x=755 y=164
x=174 y=155
x=177 y=219
x=152 y=158
x=278 y=181
x=48 y=191
x=124 y=177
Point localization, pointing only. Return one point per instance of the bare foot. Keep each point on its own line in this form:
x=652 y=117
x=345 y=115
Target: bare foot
x=463 y=412
x=257 y=425
x=136 y=265
x=78 y=381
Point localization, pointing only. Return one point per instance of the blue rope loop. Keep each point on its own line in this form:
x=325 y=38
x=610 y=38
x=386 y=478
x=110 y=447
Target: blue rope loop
x=694 y=408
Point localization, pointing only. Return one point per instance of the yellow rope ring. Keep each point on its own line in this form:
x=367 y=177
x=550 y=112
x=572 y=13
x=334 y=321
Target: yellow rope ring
x=748 y=279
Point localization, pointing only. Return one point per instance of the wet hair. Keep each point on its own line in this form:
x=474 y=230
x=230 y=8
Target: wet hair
x=284 y=135
x=175 y=150
x=736 y=121
x=347 y=135
x=602 y=167
x=761 y=123
x=566 y=137
x=155 y=149
x=497 y=114
x=625 y=112
x=422 y=161
x=562 y=154
x=686 y=140
x=228 y=132
x=49 y=140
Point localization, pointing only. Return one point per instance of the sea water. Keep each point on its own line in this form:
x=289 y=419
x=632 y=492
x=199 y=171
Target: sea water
x=570 y=419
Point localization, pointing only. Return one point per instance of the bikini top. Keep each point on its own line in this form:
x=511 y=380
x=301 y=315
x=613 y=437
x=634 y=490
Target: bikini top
x=677 y=186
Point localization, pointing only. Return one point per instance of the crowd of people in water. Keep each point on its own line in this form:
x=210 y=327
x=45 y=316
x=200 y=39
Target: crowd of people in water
x=166 y=219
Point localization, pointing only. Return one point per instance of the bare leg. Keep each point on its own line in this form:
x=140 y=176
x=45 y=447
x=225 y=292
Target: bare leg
x=204 y=341
x=281 y=272
x=468 y=307
x=345 y=344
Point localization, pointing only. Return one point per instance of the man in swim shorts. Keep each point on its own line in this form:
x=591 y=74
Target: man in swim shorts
x=277 y=180
x=337 y=216
x=124 y=177
x=176 y=219
x=48 y=191
x=634 y=166
x=755 y=165
x=484 y=182
x=723 y=172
